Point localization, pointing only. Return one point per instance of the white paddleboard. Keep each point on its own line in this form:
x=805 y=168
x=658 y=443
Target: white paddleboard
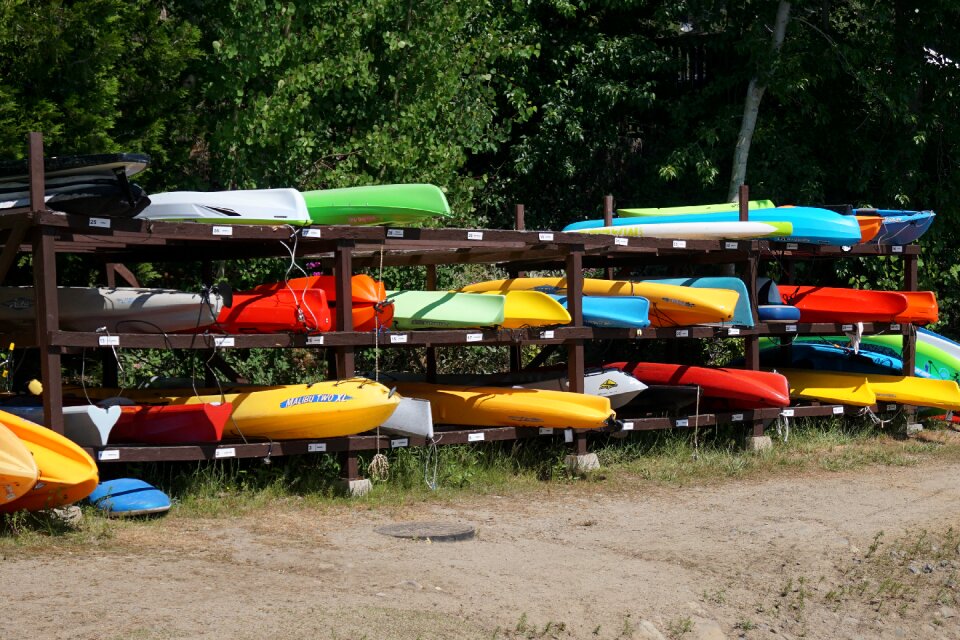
x=695 y=230
x=245 y=206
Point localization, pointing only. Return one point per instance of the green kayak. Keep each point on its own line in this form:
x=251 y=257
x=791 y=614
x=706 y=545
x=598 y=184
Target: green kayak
x=702 y=208
x=444 y=310
x=383 y=204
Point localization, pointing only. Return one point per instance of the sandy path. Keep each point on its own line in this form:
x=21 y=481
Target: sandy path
x=589 y=561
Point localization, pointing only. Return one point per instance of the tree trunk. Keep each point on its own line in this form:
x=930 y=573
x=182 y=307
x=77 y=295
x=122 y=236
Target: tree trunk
x=752 y=105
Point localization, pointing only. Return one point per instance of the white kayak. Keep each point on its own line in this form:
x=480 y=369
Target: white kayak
x=618 y=386
x=117 y=309
x=696 y=230
x=243 y=206
x=87 y=425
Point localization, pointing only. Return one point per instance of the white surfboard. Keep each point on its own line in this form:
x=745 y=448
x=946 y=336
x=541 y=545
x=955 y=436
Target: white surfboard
x=243 y=206
x=696 y=230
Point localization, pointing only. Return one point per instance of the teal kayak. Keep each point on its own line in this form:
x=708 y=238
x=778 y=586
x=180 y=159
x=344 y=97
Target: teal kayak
x=382 y=204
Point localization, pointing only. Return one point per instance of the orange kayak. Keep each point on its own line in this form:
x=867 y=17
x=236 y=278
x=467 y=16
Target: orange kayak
x=371 y=311
x=869 y=227
x=837 y=304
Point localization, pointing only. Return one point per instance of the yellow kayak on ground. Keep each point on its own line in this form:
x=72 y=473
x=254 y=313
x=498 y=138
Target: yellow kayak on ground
x=670 y=305
x=510 y=407
x=917 y=392
x=67 y=473
x=288 y=412
x=830 y=387
x=18 y=469
x=531 y=309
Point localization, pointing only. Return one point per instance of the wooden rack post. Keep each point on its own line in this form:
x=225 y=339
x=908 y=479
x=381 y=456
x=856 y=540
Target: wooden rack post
x=343 y=272
x=575 y=358
x=519 y=224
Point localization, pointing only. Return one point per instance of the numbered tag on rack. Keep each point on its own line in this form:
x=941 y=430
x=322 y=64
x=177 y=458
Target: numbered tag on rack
x=683 y=333
x=219 y=230
x=399 y=442
x=891 y=407
x=731 y=245
x=897 y=248
x=546 y=335
x=474 y=235
x=102 y=223
x=310 y=232
x=317 y=447
x=737 y=417
x=895 y=327
x=791 y=328
x=683 y=422
x=837 y=410
x=109 y=341
x=733 y=331
x=313 y=341
x=792 y=246
x=545 y=431
x=847 y=327
x=568 y=436
x=223 y=342
x=626 y=426
x=394 y=233
x=787 y=413
x=622 y=242
x=474 y=437
x=545 y=237
x=398 y=338
x=225 y=452
x=111 y=454
x=679 y=244
x=474 y=337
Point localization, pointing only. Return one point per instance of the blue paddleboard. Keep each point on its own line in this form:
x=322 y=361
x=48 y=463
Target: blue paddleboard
x=810 y=224
x=624 y=312
x=129 y=497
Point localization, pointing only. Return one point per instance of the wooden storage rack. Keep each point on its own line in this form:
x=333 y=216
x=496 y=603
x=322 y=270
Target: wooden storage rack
x=340 y=248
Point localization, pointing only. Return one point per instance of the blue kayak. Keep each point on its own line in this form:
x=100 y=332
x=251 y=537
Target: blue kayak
x=826 y=357
x=810 y=224
x=900 y=227
x=742 y=314
x=624 y=312
x=129 y=497
x=778 y=313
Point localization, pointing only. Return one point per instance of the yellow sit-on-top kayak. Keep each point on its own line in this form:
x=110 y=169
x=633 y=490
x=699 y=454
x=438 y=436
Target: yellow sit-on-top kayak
x=670 y=305
x=917 y=392
x=531 y=309
x=319 y=410
x=67 y=473
x=18 y=469
x=506 y=407
x=830 y=387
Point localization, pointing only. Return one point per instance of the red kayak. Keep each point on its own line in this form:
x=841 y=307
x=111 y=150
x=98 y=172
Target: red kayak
x=835 y=304
x=296 y=310
x=720 y=388
x=371 y=311
x=171 y=424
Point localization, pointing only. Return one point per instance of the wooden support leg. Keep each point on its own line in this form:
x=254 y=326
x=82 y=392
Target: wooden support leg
x=48 y=321
x=350 y=481
x=343 y=274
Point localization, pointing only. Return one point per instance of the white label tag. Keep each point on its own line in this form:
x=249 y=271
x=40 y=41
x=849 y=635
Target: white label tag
x=791 y=328
x=545 y=237
x=837 y=410
x=623 y=242
x=474 y=437
x=787 y=413
x=394 y=233
x=226 y=452
x=733 y=331
x=731 y=245
x=568 y=435
x=222 y=231
x=112 y=454
x=792 y=245
x=683 y=333
x=109 y=341
x=546 y=335
x=311 y=233
x=398 y=338
x=895 y=327
x=847 y=327
x=896 y=248
x=317 y=447
x=683 y=423
x=474 y=337
x=627 y=426
x=223 y=342
x=737 y=417
x=679 y=244
x=314 y=340
x=399 y=442
x=545 y=431
x=474 y=235
x=891 y=407
x=103 y=223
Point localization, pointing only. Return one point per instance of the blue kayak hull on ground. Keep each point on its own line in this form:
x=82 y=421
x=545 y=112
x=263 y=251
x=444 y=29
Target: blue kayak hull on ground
x=129 y=497
x=624 y=312
x=742 y=314
x=810 y=224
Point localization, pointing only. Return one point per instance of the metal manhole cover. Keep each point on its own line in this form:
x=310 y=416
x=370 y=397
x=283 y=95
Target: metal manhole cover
x=433 y=531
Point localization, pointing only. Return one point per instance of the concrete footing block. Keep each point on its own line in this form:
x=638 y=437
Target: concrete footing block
x=355 y=488
x=757 y=443
x=581 y=464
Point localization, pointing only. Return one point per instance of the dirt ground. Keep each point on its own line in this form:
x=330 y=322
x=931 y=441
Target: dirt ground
x=786 y=557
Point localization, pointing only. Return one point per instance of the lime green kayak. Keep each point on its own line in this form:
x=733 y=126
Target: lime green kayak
x=702 y=208
x=444 y=310
x=382 y=204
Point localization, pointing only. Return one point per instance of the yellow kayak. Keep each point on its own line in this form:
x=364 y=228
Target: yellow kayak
x=18 y=469
x=918 y=392
x=67 y=473
x=319 y=410
x=506 y=407
x=670 y=305
x=830 y=387
x=530 y=309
